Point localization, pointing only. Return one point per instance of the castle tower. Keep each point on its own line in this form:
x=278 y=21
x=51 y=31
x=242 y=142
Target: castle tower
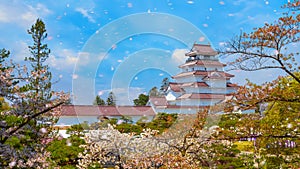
x=202 y=82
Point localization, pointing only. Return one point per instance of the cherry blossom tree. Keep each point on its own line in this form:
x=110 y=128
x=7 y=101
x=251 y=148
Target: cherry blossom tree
x=269 y=47
x=33 y=106
x=188 y=143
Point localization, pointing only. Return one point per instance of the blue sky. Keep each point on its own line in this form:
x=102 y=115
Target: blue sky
x=128 y=46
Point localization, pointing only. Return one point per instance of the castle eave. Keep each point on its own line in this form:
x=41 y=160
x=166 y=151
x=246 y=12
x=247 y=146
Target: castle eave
x=202 y=63
x=201 y=96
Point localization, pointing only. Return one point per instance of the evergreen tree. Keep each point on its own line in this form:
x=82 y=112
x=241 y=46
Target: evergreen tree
x=40 y=85
x=111 y=99
x=164 y=85
x=154 y=92
x=99 y=101
x=142 y=100
x=25 y=126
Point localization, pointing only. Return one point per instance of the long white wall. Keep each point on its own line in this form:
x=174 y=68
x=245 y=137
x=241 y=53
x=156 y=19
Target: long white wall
x=197 y=102
x=71 y=120
x=177 y=111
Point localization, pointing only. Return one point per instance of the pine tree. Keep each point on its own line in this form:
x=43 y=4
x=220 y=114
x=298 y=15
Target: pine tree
x=24 y=127
x=164 y=85
x=154 y=92
x=41 y=84
x=111 y=99
x=99 y=101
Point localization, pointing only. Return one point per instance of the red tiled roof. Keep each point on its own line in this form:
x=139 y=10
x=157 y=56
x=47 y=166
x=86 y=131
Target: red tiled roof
x=158 y=101
x=200 y=49
x=202 y=84
x=184 y=74
x=176 y=87
x=202 y=96
x=90 y=110
x=203 y=62
x=232 y=85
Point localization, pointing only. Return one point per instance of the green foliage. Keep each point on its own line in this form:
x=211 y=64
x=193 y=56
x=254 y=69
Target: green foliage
x=24 y=125
x=235 y=126
x=142 y=121
x=113 y=121
x=4 y=54
x=39 y=54
x=221 y=156
x=161 y=122
x=275 y=129
x=245 y=146
x=65 y=152
x=154 y=92
x=129 y=128
x=99 y=101
x=78 y=129
x=164 y=85
x=142 y=100
x=111 y=99
x=126 y=119
x=103 y=122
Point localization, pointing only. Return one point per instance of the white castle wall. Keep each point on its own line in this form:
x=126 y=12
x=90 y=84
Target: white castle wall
x=202 y=68
x=206 y=90
x=197 y=102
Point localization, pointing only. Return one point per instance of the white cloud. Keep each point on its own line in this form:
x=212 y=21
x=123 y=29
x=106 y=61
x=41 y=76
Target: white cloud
x=20 y=50
x=67 y=59
x=102 y=56
x=239 y=2
x=63 y=59
x=86 y=14
x=125 y=96
x=247 y=7
x=179 y=55
x=222 y=44
x=20 y=13
x=83 y=58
